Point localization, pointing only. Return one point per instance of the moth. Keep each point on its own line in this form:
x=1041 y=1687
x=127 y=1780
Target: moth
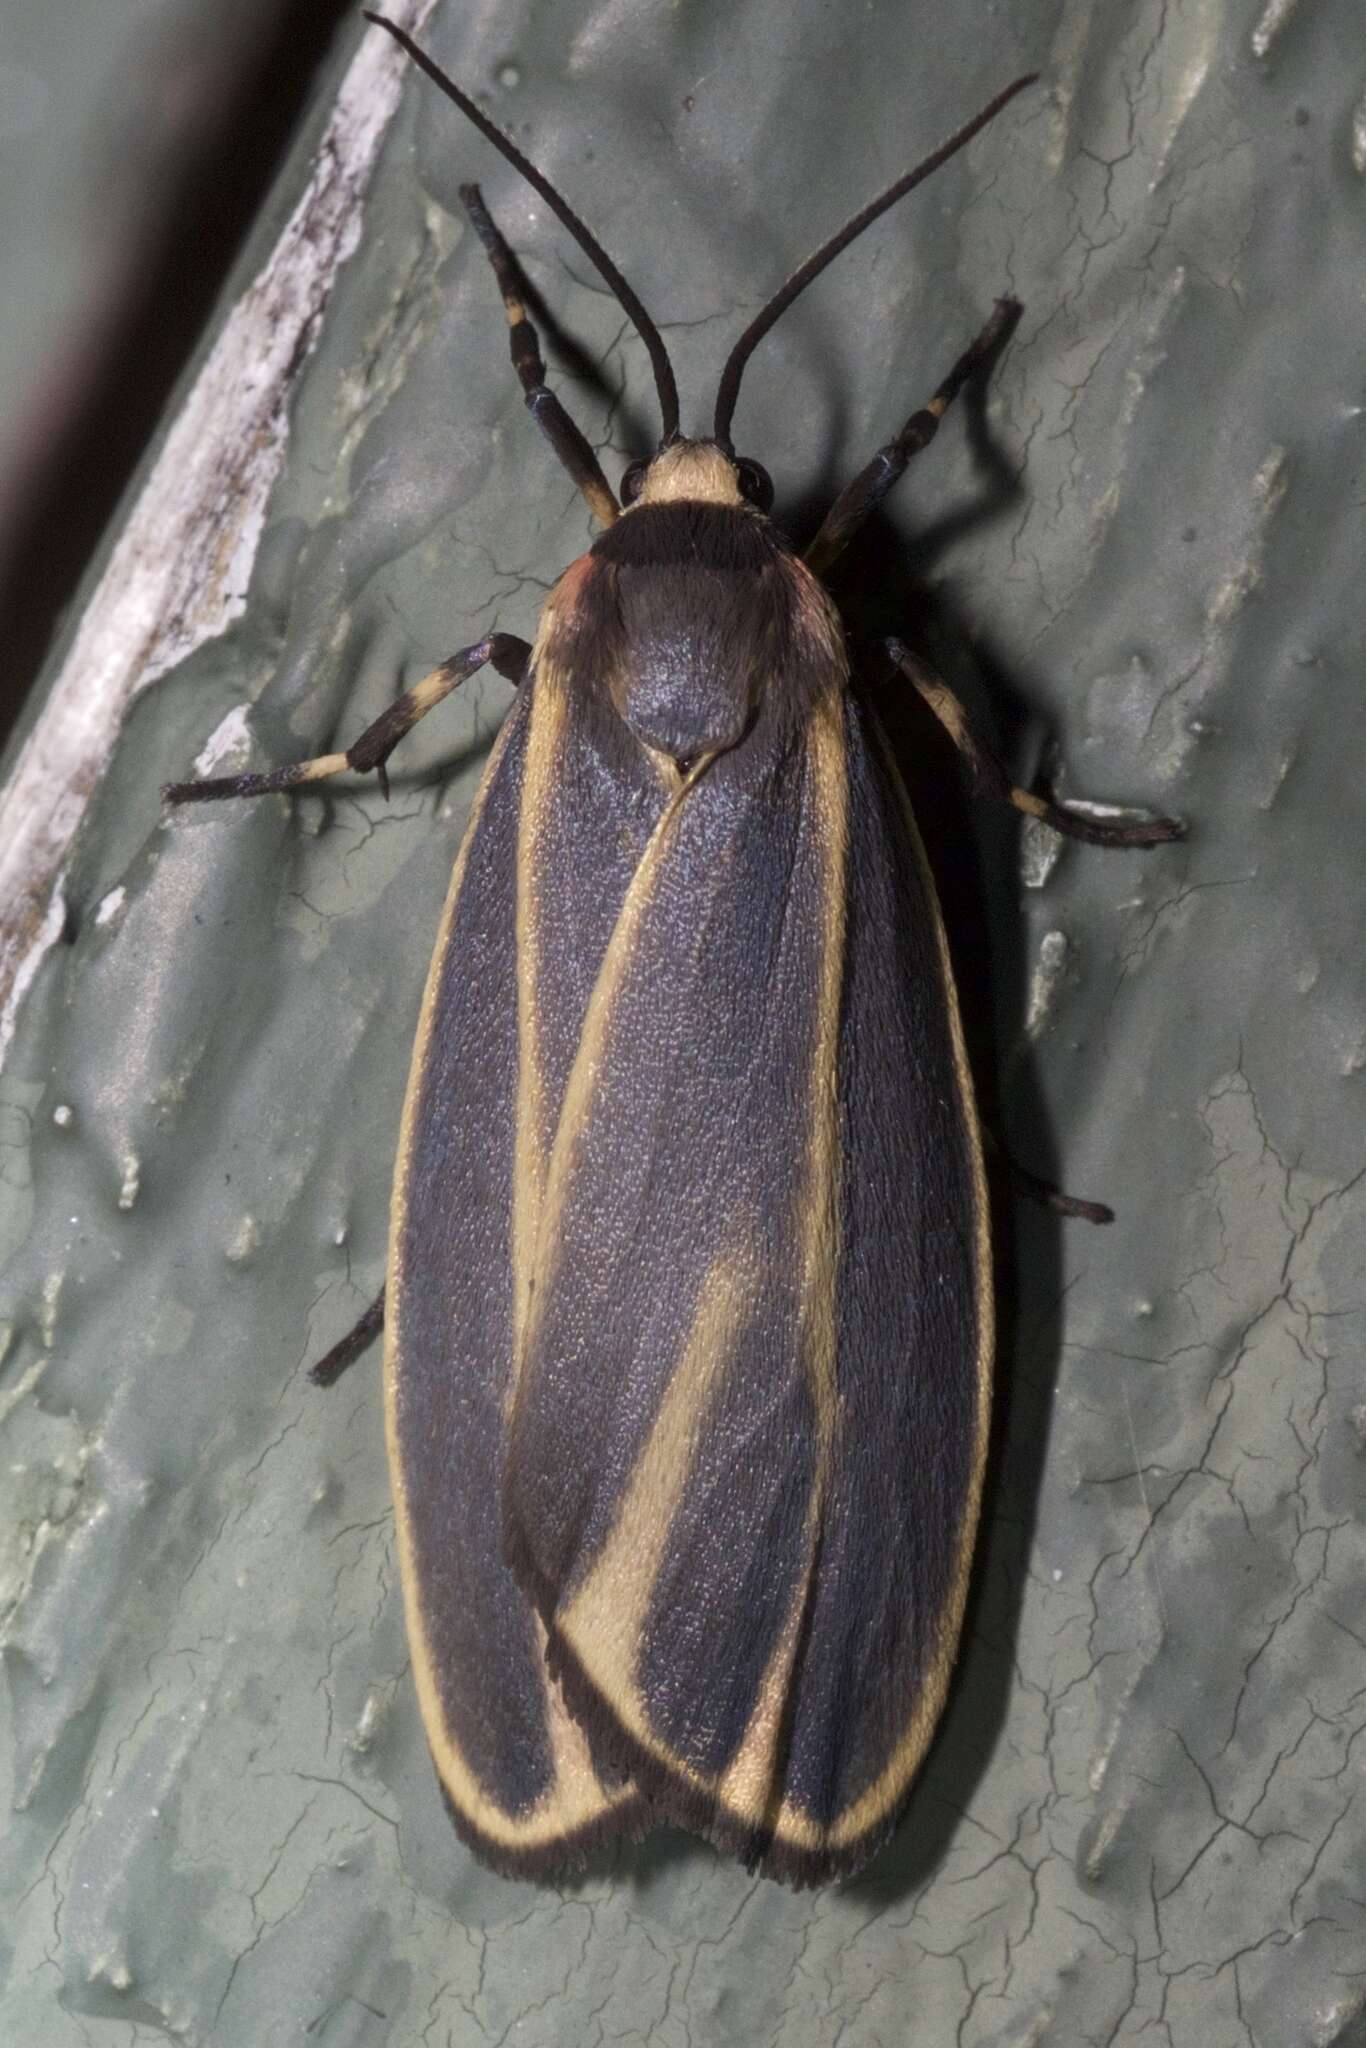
x=688 y=1314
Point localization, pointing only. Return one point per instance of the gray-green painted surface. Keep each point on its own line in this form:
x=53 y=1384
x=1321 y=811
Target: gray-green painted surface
x=100 y=106
x=1145 y=1821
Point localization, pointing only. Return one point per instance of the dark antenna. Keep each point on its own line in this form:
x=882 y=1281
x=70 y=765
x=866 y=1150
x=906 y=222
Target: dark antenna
x=597 y=256
x=729 y=387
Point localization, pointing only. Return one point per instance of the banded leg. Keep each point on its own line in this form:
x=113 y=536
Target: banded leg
x=545 y=408
x=858 y=501
x=990 y=778
x=509 y=656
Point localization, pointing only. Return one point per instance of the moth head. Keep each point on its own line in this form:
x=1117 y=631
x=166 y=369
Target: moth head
x=699 y=470
x=708 y=470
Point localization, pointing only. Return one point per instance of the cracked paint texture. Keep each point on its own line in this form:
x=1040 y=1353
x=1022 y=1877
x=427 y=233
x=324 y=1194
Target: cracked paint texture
x=1144 y=1821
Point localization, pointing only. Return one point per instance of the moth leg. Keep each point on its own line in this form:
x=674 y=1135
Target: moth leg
x=348 y=1349
x=1037 y=1189
x=509 y=656
x=860 y=499
x=990 y=778
x=545 y=408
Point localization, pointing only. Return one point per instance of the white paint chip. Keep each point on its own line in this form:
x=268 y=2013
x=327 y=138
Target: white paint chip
x=1049 y=970
x=244 y=1240
x=226 y=745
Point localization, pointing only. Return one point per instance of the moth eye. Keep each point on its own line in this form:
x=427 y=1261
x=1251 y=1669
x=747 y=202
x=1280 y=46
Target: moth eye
x=632 y=480
x=756 y=485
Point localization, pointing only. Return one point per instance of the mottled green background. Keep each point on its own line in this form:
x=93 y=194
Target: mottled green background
x=1144 y=1821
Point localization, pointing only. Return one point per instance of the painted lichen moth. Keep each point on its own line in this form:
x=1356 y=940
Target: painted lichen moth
x=688 y=1316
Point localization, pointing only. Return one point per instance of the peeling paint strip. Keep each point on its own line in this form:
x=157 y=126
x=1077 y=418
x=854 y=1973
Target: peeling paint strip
x=179 y=572
x=15 y=979
x=1274 y=18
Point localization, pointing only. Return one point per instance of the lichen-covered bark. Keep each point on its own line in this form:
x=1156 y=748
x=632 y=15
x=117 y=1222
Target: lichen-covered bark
x=1143 y=1822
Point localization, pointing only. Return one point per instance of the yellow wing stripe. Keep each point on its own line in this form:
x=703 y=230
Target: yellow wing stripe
x=534 y=1128
x=608 y=1613
x=887 y=1789
x=603 y=1624
x=577 y=1798
x=579 y=1089
x=749 y=1785
x=605 y=1621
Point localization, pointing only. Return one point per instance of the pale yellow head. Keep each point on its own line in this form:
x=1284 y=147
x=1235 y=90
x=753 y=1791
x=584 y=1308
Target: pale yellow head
x=690 y=469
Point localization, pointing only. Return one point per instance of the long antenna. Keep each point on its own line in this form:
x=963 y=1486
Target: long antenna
x=596 y=254
x=729 y=387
